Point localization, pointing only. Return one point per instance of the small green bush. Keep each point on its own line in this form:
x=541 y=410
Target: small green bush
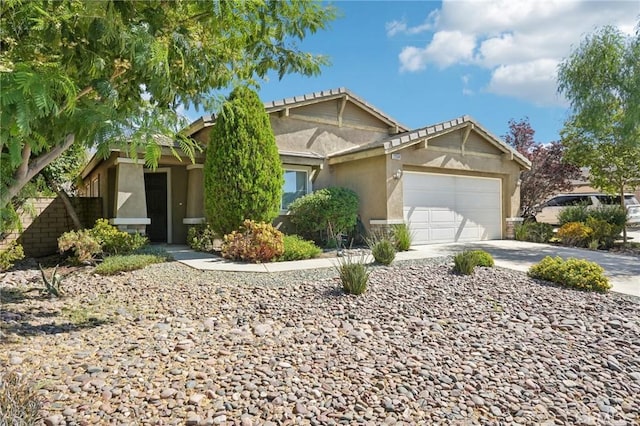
x=482 y=258
x=254 y=242
x=382 y=249
x=353 y=275
x=201 y=238
x=129 y=262
x=603 y=234
x=11 y=255
x=114 y=241
x=613 y=215
x=575 y=234
x=574 y=273
x=296 y=248
x=534 y=231
x=325 y=213
x=82 y=243
x=19 y=401
x=465 y=262
x=402 y=236
x=573 y=214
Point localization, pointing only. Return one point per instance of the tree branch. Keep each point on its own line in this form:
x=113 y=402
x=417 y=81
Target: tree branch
x=34 y=167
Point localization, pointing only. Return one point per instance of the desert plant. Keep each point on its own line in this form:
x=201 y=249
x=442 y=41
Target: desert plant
x=465 y=262
x=354 y=275
x=575 y=234
x=296 y=248
x=535 y=232
x=9 y=256
x=19 y=401
x=201 y=238
x=129 y=262
x=573 y=214
x=575 y=273
x=382 y=249
x=254 y=242
x=329 y=210
x=51 y=285
x=83 y=244
x=243 y=176
x=402 y=236
x=482 y=258
x=114 y=241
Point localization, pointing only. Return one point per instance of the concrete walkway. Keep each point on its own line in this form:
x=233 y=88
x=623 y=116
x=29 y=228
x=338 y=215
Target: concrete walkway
x=623 y=271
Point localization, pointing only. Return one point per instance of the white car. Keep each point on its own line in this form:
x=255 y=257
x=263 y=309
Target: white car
x=548 y=212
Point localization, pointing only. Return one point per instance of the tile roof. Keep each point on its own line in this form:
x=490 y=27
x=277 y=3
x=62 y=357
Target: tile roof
x=402 y=140
x=340 y=92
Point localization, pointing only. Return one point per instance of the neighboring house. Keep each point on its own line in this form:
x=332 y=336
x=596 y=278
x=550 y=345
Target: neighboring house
x=452 y=181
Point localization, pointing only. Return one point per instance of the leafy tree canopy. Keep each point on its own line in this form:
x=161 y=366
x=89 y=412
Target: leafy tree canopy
x=100 y=72
x=549 y=173
x=601 y=80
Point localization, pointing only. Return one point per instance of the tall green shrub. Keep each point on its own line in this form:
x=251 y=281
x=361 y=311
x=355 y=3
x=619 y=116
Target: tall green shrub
x=243 y=176
x=324 y=212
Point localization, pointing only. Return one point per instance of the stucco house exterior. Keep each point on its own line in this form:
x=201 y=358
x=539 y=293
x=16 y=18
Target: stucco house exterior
x=451 y=181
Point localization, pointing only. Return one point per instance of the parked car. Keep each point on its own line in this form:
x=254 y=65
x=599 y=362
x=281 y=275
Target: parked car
x=549 y=211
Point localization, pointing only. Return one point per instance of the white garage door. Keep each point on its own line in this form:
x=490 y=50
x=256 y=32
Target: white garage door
x=446 y=208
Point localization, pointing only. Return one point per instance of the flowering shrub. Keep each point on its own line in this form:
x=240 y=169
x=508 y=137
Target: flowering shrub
x=575 y=234
x=254 y=242
x=575 y=273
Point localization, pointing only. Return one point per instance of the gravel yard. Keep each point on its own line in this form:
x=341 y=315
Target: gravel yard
x=173 y=345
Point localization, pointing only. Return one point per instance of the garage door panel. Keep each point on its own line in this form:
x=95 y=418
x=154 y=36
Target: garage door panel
x=447 y=208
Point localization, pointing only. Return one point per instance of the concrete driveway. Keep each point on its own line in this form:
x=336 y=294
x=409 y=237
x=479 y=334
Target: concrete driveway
x=623 y=271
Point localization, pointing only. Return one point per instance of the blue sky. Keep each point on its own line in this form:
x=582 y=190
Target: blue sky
x=423 y=62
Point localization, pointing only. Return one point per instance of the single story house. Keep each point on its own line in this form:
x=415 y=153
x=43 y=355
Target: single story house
x=451 y=181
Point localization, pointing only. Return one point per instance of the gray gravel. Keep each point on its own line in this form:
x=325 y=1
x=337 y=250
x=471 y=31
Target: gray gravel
x=172 y=345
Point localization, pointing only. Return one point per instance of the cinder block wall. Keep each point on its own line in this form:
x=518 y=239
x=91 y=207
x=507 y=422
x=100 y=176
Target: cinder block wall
x=41 y=231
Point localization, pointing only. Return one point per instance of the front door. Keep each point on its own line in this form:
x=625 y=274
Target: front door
x=155 y=185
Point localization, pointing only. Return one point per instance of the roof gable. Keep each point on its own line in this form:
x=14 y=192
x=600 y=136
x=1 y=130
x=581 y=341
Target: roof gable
x=348 y=102
x=406 y=139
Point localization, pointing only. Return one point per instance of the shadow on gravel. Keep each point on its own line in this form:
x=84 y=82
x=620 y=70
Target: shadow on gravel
x=25 y=329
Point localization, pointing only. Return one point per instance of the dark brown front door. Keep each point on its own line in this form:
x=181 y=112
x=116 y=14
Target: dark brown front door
x=155 y=185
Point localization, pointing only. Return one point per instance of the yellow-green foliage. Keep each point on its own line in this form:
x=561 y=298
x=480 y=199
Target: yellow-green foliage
x=482 y=258
x=114 y=241
x=575 y=234
x=295 y=248
x=82 y=242
x=118 y=263
x=9 y=256
x=575 y=273
x=254 y=242
x=603 y=233
x=201 y=238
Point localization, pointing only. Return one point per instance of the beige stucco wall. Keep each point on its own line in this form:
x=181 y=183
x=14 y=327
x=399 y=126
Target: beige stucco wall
x=368 y=178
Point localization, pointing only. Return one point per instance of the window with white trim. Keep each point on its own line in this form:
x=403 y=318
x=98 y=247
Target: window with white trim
x=296 y=184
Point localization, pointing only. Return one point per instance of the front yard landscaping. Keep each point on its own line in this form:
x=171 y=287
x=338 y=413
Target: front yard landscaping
x=423 y=345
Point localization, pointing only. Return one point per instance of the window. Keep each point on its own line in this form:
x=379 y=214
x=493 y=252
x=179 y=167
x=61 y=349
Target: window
x=296 y=184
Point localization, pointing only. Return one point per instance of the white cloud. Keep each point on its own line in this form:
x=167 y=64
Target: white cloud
x=400 y=27
x=446 y=49
x=513 y=39
x=534 y=81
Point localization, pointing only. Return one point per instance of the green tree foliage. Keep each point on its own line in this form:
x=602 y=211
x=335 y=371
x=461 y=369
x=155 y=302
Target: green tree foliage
x=243 y=176
x=112 y=73
x=601 y=80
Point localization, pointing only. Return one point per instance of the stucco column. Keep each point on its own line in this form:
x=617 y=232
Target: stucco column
x=130 y=204
x=195 y=195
